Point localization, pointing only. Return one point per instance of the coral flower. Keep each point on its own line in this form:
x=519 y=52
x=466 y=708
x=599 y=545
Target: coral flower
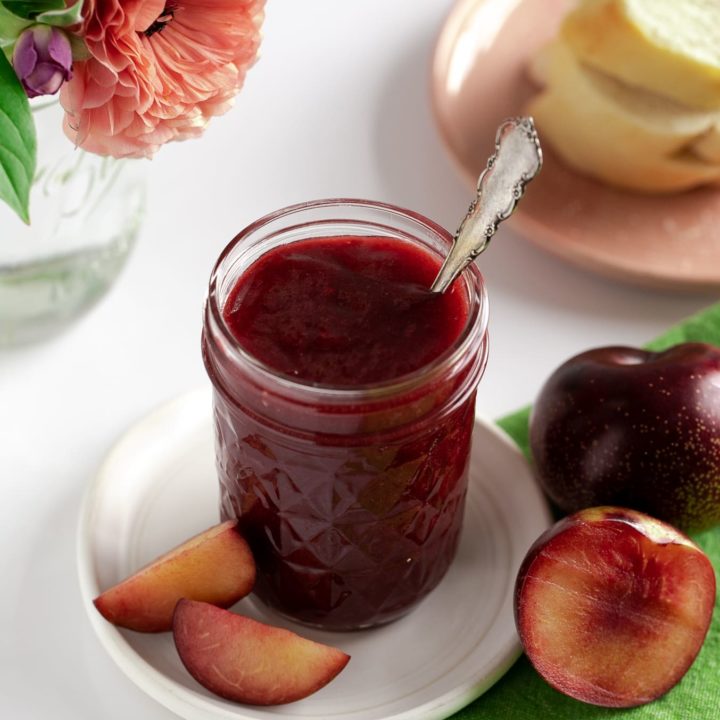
x=158 y=71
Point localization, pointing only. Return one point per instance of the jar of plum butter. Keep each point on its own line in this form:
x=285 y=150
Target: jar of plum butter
x=344 y=395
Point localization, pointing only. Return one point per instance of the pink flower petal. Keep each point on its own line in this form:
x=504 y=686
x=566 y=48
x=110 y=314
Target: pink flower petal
x=25 y=56
x=147 y=13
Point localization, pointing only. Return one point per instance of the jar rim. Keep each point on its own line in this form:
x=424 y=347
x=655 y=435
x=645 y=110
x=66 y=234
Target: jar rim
x=475 y=326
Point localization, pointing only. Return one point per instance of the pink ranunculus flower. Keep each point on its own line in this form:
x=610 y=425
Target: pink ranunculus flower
x=158 y=71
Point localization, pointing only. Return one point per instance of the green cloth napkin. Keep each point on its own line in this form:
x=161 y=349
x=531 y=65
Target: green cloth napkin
x=521 y=694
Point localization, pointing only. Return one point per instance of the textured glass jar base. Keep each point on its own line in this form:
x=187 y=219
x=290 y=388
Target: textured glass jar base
x=345 y=537
x=86 y=212
x=333 y=627
x=371 y=618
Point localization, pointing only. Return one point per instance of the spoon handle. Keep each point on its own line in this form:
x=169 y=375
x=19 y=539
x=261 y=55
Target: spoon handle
x=516 y=161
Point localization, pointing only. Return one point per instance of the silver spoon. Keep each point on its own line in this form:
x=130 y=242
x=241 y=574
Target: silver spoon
x=516 y=161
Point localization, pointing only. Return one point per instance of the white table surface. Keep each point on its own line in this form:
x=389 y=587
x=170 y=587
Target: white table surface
x=337 y=106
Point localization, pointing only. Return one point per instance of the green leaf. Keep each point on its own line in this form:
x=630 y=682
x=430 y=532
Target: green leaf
x=29 y=9
x=18 y=146
x=10 y=27
x=79 y=48
x=64 y=17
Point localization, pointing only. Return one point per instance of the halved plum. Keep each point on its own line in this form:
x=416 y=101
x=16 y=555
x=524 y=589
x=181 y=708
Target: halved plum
x=612 y=606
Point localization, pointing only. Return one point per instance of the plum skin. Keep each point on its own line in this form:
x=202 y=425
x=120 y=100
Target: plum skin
x=634 y=428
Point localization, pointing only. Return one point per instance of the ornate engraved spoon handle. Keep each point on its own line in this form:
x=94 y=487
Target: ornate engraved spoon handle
x=516 y=161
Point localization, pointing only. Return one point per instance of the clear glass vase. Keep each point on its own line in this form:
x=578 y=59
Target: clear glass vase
x=85 y=213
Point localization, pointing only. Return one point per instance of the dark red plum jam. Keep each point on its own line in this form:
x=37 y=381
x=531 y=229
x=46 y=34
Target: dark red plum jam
x=344 y=408
x=344 y=310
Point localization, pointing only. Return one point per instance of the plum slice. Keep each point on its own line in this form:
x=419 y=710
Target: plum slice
x=215 y=566
x=612 y=606
x=247 y=661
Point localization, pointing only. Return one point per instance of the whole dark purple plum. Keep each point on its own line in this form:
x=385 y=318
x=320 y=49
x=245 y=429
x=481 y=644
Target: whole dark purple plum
x=628 y=427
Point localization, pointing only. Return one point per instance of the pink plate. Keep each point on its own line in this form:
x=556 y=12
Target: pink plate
x=479 y=78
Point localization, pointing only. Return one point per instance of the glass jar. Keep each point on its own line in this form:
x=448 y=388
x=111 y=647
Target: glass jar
x=351 y=498
x=85 y=212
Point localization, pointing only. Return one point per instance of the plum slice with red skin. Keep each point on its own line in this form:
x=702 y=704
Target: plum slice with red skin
x=216 y=566
x=246 y=661
x=612 y=606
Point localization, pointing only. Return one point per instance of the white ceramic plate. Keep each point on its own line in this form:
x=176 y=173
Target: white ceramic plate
x=158 y=487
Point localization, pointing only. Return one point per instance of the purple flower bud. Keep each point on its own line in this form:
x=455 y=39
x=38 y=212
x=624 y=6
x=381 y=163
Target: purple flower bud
x=42 y=59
